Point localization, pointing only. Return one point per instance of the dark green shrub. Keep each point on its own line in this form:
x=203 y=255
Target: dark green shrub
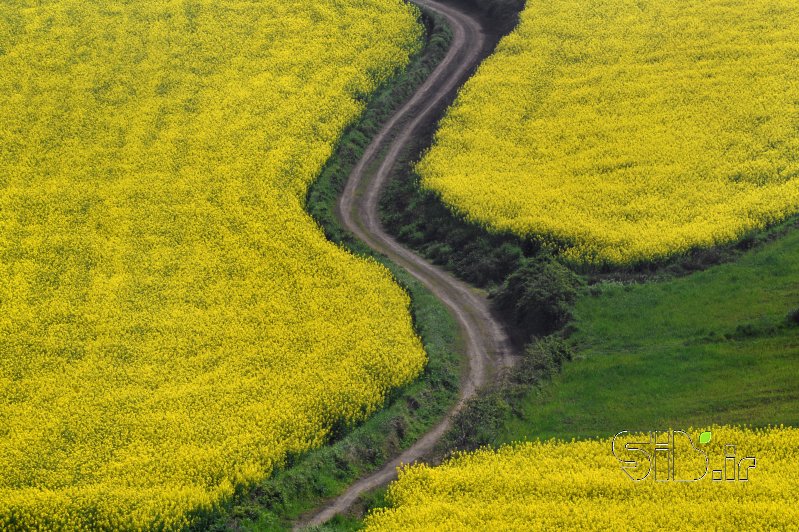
x=542 y=359
x=478 y=422
x=539 y=296
x=556 y=348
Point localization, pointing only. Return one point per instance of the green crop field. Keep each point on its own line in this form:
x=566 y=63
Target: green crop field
x=715 y=347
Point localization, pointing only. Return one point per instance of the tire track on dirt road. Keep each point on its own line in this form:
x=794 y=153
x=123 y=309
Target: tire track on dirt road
x=487 y=347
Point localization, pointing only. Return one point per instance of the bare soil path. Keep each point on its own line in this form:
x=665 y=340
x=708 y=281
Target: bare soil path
x=486 y=345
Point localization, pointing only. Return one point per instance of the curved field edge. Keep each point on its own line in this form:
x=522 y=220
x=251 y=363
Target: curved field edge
x=719 y=346
x=641 y=360
x=535 y=143
x=309 y=479
x=420 y=219
x=137 y=503
x=530 y=406
x=580 y=485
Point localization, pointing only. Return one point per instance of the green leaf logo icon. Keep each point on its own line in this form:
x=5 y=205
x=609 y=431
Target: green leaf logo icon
x=704 y=438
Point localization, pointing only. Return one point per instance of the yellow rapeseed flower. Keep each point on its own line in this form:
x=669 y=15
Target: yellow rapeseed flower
x=580 y=485
x=629 y=131
x=172 y=322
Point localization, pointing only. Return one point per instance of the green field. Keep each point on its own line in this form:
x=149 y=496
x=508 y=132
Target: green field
x=714 y=347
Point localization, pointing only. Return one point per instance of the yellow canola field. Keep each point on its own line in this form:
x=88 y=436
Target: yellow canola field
x=580 y=486
x=629 y=131
x=172 y=323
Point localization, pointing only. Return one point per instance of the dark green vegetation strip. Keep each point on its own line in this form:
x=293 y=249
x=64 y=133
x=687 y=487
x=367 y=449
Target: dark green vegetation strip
x=308 y=480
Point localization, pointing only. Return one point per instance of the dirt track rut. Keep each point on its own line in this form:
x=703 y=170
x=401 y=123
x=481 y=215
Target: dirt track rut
x=486 y=344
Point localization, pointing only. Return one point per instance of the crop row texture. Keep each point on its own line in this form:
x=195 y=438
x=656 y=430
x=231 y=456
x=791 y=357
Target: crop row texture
x=172 y=323
x=626 y=132
x=580 y=485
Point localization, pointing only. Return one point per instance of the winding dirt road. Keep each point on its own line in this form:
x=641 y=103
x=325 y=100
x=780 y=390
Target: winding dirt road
x=486 y=344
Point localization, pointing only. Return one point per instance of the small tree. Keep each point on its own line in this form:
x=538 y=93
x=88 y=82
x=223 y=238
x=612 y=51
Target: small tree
x=538 y=297
x=478 y=422
x=545 y=357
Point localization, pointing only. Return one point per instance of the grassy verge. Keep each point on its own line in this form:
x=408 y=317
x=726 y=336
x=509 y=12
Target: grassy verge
x=308 y=480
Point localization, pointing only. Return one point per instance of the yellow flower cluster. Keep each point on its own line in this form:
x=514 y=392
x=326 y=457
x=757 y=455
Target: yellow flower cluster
x=629 y=131
x=581 y=486
x=172 y=323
